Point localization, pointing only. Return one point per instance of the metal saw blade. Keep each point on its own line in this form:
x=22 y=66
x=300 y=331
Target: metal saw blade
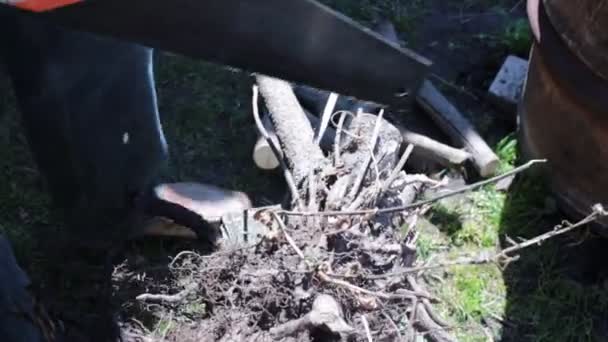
x=301 y=41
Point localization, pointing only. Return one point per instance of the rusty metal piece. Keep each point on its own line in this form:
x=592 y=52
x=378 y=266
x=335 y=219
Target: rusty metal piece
x=574 y=75
x=562 y=118
x=582 y=26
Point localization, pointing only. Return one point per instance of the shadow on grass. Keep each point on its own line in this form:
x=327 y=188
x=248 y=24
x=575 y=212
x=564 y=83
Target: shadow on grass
x=449 y=221
x=556 y=291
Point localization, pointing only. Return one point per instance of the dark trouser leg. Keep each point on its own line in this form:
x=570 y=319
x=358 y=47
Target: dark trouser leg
x=88 y=107
x=89 y=110
x=16 y=303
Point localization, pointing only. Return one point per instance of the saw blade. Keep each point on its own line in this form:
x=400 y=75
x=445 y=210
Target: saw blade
x=301 y=41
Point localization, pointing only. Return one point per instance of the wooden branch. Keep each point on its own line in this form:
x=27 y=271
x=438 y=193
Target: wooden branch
x=360 y=132
x=291 y=126
x=458 y=128
x=425 y=323
x=263 y=156
x=427 y=304
x=404 y=157
x=403 y=293
x=291 y=183
x=443 y=154
x=368 y=333
x=175 y=298
x=366 y=164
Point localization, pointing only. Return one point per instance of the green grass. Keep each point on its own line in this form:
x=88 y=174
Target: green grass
x=404 y=15
x=474 y=224
x=426 y=246
x=538 y=295
x=517 y=37
x=506 y=150
x=472 y=291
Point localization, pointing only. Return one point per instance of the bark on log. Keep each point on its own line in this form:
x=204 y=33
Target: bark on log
x=291 y=126
x=357 y=144
x=458 y=128
x=263 y=156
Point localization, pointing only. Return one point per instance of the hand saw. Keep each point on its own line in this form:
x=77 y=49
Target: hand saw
x=301 y=41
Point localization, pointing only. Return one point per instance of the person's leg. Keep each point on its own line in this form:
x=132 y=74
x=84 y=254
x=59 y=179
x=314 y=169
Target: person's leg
x=90 y=113
x=88 y=107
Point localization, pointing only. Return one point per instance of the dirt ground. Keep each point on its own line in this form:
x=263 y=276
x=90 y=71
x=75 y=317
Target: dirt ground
x=556 y=292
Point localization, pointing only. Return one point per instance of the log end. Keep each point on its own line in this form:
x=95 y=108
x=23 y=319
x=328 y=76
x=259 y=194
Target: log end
x=487 y=165
x=263 y=156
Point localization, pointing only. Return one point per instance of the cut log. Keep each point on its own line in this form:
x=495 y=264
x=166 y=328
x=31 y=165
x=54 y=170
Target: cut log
x=433 y=149
x=291 y=127
x=453 y=123
x=263 y=156
x=357 y=157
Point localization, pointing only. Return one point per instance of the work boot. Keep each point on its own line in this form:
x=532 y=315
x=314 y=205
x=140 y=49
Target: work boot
x=198 y=211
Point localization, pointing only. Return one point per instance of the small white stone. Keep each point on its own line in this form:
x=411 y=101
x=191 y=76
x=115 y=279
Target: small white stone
x=125 y=138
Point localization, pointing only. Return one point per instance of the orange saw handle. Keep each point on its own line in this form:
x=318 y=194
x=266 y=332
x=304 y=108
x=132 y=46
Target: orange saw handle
x=39 y=5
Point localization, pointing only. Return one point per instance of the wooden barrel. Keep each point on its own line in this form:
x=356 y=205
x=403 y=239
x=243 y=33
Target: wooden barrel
x=563 y=113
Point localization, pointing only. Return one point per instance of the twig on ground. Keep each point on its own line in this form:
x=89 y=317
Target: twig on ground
x=286 y=173
x=289 y=239
x=361 y=176
x=427 y=304
x=393 y=325
x=404 y=157
x=427 y=325
x=564 y=227
x=366 y=327
x=419 y=203
x=174 y=298
x=404 y=294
